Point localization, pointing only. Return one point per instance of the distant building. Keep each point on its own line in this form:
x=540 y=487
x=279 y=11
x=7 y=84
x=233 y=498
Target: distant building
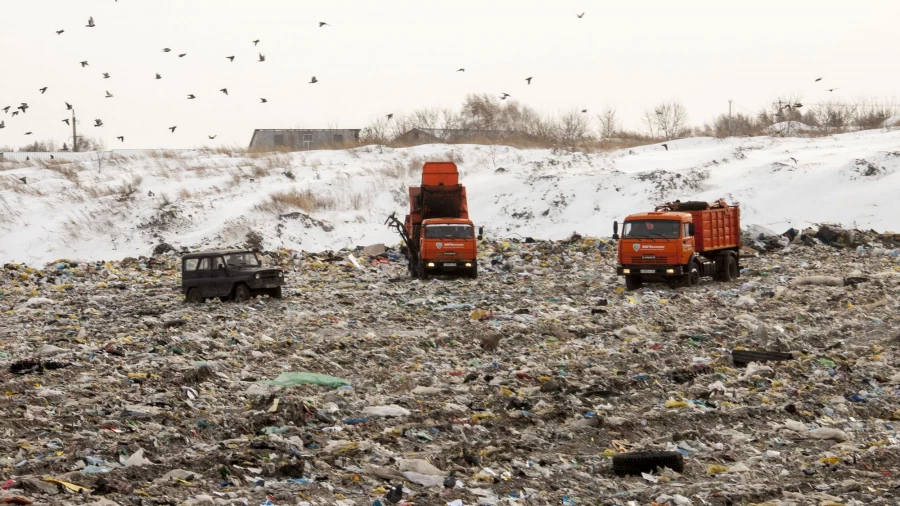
x=304 y=138
x=450 y=135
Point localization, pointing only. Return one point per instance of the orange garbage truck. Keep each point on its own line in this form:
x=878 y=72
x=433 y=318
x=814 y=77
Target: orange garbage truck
x=438 y=237
x=679 y=243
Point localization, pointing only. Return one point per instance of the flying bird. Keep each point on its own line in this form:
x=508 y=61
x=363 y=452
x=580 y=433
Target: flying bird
x=224 y=90
x=666 y=146
x=24 y=180
x=173 y=129
x=528 y=79
x=504 y=96
x=23 y=107
x=798 y=105
x=98 y=122
x=255 y=42
x=91 y=22
x=60 y=32
x=580 y=15
x=121 y=138
x=230 y=58
x=27 y=133
x=182 y=55
x=158 y=76
x=166 y=50
x=322 y=23
x=794 y=159
x=66 y=121
x=213 y=136
x=314 y=80
x=832 y=89
x=819 y=79
x=262 y=101
x=461 y=70
x=389 y=116
x=191 y=97
x=108 y=94
x=395 y=494
x=262 y=57
x=584 y=110
x=43 y=90
x=6 y=109
x=68 y=106
x=2 y=124
x=106 y=75
x=15 y=113
x=84 y=64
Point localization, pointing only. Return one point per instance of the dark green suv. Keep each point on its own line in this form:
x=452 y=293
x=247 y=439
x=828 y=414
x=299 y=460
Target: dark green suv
x=228 y=275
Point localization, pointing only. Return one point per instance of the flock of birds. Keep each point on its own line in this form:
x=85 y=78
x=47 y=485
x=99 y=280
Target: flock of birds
x=23 y=107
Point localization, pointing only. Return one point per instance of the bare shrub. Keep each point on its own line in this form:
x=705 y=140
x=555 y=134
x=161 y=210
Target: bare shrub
x=609 y=123
x=305 y=200
x=668 y=120
x=254 y=240
x=185 y=194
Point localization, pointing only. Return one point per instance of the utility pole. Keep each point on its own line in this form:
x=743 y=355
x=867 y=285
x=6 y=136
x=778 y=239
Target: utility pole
x=729 y=108
x=74 y=133
x=730 y=128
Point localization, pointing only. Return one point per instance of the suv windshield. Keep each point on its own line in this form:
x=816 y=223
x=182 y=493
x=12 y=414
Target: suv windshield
x=449 y=231
x=651 y=229
x=237 y=260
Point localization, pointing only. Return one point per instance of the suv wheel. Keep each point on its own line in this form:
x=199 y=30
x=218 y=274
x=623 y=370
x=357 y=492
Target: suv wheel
x=275 y=293
x=241 y=293
x=193 y=296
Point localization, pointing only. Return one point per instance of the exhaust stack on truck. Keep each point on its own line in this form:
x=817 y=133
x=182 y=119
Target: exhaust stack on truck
x=679 y=243
x=437 y=234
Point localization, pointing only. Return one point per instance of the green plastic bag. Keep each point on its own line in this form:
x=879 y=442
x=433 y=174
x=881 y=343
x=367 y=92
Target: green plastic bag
x=289 y=379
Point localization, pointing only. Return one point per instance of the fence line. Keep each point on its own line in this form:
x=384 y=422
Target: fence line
x=82 y=156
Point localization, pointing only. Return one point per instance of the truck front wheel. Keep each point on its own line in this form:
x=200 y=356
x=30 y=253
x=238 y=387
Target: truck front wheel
x=692 y=276
x=473 y=271
x=633 y=282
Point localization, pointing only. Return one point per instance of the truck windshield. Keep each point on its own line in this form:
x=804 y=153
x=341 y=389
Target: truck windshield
x=449 y=231
x=241 y=260
x=651 y=229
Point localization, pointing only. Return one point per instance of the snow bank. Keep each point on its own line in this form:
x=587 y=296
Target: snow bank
x=205 y=200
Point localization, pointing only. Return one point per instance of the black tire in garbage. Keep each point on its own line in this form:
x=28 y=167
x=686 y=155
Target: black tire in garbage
x=741 y=358
x=635 y=463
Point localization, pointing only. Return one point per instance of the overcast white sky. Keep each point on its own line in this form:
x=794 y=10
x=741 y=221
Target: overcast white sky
x=398 y=55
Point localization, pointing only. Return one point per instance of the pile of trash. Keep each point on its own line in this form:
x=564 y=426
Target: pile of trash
x=542 y=382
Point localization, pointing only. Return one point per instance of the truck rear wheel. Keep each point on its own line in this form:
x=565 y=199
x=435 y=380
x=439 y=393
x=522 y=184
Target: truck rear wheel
x=472 y=272
x=633 y=282
x=729 y=269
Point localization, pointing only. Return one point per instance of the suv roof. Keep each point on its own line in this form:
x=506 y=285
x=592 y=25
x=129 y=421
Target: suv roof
x=204 y=254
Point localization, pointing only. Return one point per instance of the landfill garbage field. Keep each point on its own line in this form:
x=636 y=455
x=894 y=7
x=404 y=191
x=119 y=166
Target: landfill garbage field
x=523 y=386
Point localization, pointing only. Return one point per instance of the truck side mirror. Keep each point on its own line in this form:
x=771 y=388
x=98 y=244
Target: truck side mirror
x=480 y=233
x=615 y=230
x=691 y=229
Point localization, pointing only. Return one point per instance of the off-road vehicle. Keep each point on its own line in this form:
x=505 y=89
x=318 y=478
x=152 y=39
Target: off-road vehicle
x=228 y=275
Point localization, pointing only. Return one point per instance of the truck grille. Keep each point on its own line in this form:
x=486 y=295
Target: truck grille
x=268 y=275
x=657 y=260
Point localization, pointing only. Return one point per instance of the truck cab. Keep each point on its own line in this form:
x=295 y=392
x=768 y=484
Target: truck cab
x=448 y=244
x=678 y=243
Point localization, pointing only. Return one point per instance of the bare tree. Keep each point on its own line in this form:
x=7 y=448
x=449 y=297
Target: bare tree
x=573 y=129
x=609 y=123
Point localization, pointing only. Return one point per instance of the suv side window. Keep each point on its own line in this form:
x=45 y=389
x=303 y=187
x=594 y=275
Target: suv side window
x=218 y=263
x=204 y=264
x=191 y=264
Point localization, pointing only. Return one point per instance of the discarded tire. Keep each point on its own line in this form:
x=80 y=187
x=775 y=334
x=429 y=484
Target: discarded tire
x=743 y=357
x=635 y=463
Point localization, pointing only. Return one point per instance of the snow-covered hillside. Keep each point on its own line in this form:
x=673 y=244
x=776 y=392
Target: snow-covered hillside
x=198 y=200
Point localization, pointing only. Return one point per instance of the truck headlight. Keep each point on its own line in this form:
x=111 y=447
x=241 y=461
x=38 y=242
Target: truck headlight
x=430 y=264
x=626 y=271
x=280 y=274
x=257 y=276
x=468 y=264
x=670 y=271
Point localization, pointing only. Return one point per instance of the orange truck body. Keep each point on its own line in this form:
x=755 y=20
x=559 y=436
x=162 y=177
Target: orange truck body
x=680 y=242
x=441 y=236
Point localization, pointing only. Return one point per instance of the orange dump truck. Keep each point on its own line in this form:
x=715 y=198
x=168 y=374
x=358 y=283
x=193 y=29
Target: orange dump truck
x=678 y=243
x=437 y=234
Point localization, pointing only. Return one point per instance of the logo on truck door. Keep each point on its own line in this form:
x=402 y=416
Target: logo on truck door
x=439 y=245
x=637 y=247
